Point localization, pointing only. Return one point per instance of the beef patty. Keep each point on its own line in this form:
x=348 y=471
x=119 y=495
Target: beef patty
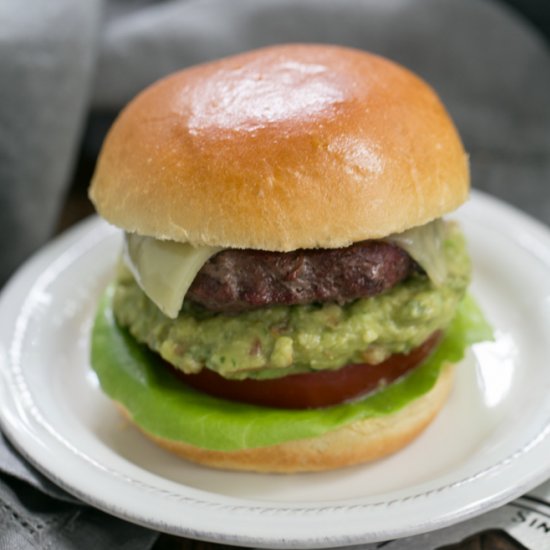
x=238 y=280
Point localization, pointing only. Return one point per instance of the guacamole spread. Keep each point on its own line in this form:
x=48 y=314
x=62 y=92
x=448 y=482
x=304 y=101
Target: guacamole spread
x=281 y=340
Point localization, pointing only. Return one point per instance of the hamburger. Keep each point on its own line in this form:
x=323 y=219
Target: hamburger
x=288 y=297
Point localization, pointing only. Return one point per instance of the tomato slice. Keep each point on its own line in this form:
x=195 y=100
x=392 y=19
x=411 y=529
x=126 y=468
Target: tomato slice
x=315 y=389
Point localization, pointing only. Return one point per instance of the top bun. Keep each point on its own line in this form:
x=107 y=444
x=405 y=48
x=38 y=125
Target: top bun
x=286 y=147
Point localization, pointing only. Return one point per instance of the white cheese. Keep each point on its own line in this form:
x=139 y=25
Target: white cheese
x=425 y=245
x=165 y=269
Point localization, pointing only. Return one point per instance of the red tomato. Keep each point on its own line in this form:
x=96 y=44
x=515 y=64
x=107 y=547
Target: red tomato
x=315 y=389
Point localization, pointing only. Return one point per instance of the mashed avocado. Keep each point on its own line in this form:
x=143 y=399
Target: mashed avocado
x=277 y=341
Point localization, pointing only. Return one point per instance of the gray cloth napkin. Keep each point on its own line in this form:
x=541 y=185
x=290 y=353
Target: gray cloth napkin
x=60 y=59
x=36 y=514
x=31 y=520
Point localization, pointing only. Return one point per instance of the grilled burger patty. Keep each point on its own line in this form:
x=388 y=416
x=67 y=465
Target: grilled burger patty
x=240 y=280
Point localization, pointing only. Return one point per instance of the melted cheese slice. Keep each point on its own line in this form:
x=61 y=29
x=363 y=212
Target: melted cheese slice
x=165 y=269
x=425 y=245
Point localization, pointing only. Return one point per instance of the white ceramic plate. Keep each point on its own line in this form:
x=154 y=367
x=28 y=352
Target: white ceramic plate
x=490 y=444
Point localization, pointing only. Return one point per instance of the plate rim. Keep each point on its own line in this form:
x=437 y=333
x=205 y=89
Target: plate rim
x=73 y=237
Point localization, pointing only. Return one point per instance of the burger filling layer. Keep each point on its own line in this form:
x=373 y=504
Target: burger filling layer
x=275 y=341
x=133 y=376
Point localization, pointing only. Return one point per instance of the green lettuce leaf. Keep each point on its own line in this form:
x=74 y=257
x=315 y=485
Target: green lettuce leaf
x=162 y=405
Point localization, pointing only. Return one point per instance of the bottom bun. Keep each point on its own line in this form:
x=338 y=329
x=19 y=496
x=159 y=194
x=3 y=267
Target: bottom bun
x=360 y=441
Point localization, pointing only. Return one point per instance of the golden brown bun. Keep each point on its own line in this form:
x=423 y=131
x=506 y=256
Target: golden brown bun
x=293 y=146
x=361 y=441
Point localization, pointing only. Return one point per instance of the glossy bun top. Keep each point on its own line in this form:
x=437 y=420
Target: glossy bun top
x=286 y=147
